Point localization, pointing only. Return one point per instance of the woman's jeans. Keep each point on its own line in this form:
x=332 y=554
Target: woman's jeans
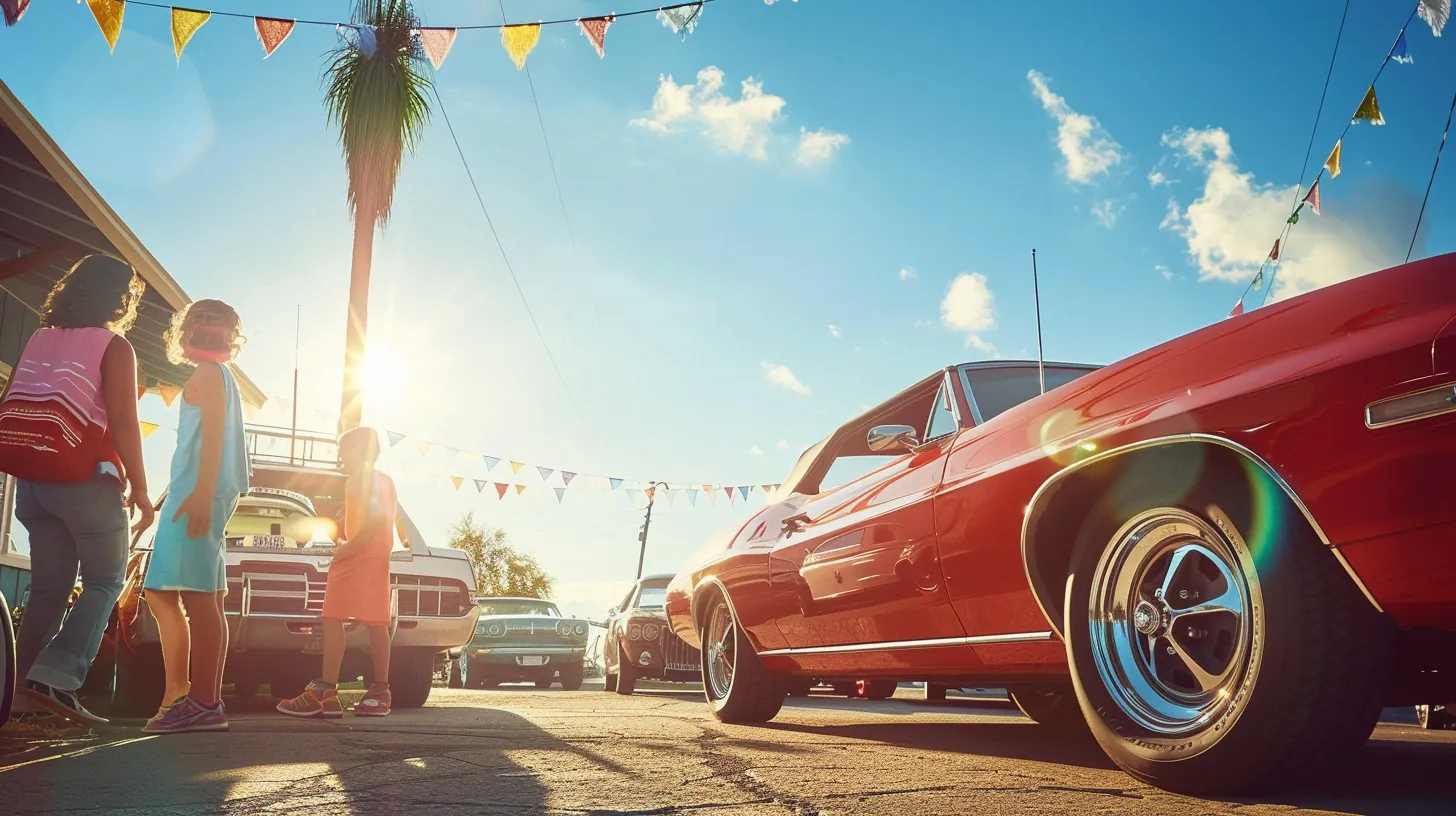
x=72 y=527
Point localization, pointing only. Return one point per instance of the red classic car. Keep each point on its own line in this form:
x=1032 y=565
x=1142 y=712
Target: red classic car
x=1224 y=554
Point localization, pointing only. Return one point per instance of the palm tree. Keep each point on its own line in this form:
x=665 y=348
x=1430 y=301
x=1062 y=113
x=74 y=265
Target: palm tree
x=378 y=101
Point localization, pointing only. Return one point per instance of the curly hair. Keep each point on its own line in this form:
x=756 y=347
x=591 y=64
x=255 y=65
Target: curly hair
x=204 y=330
x=99 y=291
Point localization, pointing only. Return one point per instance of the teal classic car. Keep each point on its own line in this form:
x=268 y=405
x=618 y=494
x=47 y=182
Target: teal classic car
x=522 y=640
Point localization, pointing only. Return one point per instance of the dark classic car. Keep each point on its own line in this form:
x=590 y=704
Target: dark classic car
x=1223 y=555
x=522 y=640
x=639 y=643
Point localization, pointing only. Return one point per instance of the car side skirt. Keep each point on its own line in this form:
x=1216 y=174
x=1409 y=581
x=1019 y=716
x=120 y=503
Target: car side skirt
x=980 y=640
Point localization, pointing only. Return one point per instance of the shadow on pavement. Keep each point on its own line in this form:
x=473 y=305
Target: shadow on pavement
x=1013 y=739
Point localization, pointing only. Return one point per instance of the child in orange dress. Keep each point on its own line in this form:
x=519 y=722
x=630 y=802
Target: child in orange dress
x=358 y=585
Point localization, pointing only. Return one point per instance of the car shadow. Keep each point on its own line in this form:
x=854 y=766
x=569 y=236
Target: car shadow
x=1012 y=739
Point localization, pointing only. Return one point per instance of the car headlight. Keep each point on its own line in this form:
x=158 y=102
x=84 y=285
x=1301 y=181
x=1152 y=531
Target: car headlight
x=480 y=630
x=494 y=630
x=580 y=629
x=563 y=629
x=634 y=632
x=651 y=631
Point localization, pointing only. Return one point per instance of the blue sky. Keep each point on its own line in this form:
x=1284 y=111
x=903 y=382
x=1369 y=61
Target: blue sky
x=709 y=253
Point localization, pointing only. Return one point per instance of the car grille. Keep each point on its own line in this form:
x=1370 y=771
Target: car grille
x=430 y=597
x=677 y=654
x=297 y=591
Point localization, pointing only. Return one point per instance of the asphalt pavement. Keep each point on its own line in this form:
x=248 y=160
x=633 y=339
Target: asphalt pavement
x=520 y=751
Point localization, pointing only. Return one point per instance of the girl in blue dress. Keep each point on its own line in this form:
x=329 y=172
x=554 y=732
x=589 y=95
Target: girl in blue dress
x=186 y=580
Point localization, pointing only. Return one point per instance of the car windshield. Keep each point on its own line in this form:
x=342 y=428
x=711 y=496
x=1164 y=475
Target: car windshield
x=998 y=389
x=652 y=597
x=266 y=517
x=496 y=606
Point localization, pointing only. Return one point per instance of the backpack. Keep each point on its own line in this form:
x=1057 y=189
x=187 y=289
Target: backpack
x=53 y=426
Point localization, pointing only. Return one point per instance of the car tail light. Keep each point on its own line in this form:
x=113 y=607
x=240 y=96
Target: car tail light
x=580 y=629
x=634 y=632
x=1410 y=407
x=651 y=631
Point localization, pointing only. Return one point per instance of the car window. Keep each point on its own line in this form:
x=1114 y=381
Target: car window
x=942 y=417
x=256 y=520
x=998 y=389
x=498 y=606
x=652 y=597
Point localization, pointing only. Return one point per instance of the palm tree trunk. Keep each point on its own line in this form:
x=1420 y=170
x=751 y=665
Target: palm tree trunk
x=351 y=410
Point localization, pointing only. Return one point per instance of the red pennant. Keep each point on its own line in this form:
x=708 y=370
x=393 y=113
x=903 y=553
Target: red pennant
x=1238 y=308
x=1274 y=253
x=271 y=33
x=595 y=29
x=169 y=393
x=1312 y=198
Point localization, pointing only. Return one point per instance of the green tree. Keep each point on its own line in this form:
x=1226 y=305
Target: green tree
x=499 y=568
x=377 y=98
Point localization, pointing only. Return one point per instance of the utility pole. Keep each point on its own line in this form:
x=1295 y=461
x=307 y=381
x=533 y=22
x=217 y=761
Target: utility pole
x=646 y=523
x=1036 y=291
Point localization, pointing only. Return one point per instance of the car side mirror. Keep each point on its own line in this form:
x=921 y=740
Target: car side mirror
x=891 y=439
x=612 y=612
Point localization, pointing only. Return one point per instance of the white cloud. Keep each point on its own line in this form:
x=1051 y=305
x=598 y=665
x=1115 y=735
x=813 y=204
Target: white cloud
x=818 y=146
x=781 y=376
x=908 y=273
x=970 y=307
x=1163 y=270
x=1231 y=226
x=836 y=331
x=1157 y=179
x=1086 y=146
x=754 y=450
x=783 y=443
x=1105 y=213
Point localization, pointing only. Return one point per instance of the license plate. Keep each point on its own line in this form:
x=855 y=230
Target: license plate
x=533 y=660
x=267 y=542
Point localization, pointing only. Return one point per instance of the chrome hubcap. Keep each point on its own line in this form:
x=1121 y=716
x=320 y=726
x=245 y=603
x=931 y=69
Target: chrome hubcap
x=1170 y=621
x=720 y=654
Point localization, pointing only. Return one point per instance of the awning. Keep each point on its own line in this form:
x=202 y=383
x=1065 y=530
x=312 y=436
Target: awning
x=51 y=215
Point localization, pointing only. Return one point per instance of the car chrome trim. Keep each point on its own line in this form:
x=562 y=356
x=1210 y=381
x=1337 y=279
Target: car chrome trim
x=978 y=640
x=1033 y=512
x=1451 y=400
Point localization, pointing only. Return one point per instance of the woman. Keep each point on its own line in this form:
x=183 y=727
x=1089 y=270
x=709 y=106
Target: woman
x=69 y=433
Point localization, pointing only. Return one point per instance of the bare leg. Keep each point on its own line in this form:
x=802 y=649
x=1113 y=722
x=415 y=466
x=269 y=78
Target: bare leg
x=333 y=649
x=209 y=636
x=166 y=607
x=379 y=652
x=222 y=655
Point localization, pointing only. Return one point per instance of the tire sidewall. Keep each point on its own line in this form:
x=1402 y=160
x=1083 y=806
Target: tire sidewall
x=1222 y=741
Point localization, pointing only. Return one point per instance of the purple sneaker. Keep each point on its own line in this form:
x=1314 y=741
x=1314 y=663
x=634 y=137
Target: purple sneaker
x=187 y=715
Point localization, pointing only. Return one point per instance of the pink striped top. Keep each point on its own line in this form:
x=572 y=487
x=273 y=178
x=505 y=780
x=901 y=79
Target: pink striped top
x=64 y=365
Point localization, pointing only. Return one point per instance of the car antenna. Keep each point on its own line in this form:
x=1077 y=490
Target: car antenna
x=1036 y=293
x=293 y=427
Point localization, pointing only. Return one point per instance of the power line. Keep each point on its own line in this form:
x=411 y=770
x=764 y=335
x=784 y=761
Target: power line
x=1427 y=197
x=505 y=258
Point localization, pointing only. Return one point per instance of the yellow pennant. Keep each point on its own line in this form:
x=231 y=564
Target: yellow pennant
x=1369 y=110
x=185 y=23
x=1332 y=164
x=457 y=480
x=520 y=488
x=519 y=40
x=108 y=14
x=149 y=428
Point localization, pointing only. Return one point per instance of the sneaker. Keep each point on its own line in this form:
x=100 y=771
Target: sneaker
x=187 y=715
x=376 y=702
x=58 y=701
x=318 y=700
x=163 y=711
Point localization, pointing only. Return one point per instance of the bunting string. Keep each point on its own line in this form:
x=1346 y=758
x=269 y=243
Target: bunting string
x=1435 y=13
x=518 y=39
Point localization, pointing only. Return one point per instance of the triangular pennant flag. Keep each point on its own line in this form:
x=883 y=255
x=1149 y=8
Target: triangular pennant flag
x=545 y=472
x=108 y=14
x=1400 y=53
x=692 y=497
x=185 y=23
x=1259 y=280
x=436 y=43
x=707 y=488
x=516 y=467
x=560 y=491
x=616 y=483
x=1312 y=198
x=1274 y=253
x=767 y=489
x=423 y=446
x=1369 y=110
x=1332 y=164
x=458 y=481
x=711 y=494
x=744 y=492
x=15 y=9
x=1435 y=13
x=682 y=19
x=271 y=33
x=566 y=477
x=500 y=490
x=149 y=428
x=632 y=496
x=520 y=489
x=434 y=479
x=595 y=30
x=480 y=485
x=169 y=393
x=519 y=40
x=454 y=453
x=491 y=462
x=1238 y=309
x=394 y=438
x=729 y=491
x=651 y=493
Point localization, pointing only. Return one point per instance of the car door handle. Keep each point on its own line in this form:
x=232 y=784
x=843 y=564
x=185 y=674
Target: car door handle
x=796 y=524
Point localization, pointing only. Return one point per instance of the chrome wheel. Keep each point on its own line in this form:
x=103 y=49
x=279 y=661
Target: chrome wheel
x=465 y=670
x=721 y=653
x=1169 y=614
